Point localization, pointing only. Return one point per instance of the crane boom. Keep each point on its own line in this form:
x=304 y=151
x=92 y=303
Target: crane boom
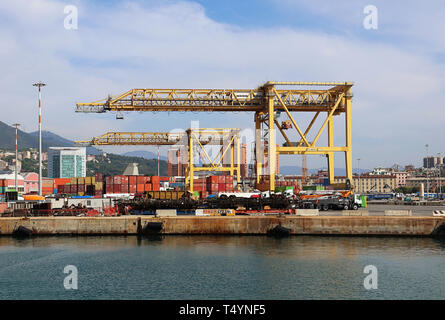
x=204 y=136
x=248 y=100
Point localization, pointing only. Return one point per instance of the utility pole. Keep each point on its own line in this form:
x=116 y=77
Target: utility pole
x=40 y=85
x=16 y=156
x=440 y=182
x=427 y=182
x=359 y=175
x=158 y=162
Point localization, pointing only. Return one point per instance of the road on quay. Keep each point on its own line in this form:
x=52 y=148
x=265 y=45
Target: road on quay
x=379 y=209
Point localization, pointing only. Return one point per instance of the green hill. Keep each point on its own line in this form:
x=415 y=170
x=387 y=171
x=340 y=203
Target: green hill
x=114 y=164
x=31 y=140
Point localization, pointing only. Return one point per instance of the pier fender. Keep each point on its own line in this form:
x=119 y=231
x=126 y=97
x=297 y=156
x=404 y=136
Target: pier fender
x=279 y=232
x=439 y=231
x=22 y=232
x=153 y=228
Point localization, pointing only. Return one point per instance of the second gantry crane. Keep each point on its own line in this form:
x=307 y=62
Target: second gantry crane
x=226 y=140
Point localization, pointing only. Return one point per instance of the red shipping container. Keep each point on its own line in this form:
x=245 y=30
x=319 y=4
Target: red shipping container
x=147 y=179
x=229 y=179
x=221 y=179
x=155 y=187
x=116 y=188
x=124 y=180
x=132 y=188
x=140 y=179
x=99 y=177
x=139 y=188
x=109 y=180
x=229 y=187
x=155 y=179
x=212 y=179
x=124 y=188
x=147 y=187
x=221 y=186
x=117 y=180
x=212 y=187
x=132 y=180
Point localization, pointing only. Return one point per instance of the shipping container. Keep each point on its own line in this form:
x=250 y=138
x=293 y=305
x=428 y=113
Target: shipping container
x=124 y=188
x=166 y=195
x=109 y=180
x=117 y=180
x=132 y=180
x=99 y=177
x=212 y=179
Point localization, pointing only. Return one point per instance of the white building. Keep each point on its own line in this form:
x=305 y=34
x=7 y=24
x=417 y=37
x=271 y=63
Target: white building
x=66 y=162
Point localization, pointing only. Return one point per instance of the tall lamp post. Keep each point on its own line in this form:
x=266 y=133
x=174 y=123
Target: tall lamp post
x=16 y=155
x=440 y=182
x=359 y=175
x=40 y=85
x=426 y=167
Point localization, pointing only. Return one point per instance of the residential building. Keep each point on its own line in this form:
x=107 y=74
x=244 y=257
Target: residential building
x=401 y=177
x=368 y=183
x=66 y=162
x=379 y=171
x=432 y=162
x=31 y=182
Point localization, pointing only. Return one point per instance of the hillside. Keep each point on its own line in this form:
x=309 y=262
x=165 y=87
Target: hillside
x=144 y=154
x=113 y=164
x=54 y=140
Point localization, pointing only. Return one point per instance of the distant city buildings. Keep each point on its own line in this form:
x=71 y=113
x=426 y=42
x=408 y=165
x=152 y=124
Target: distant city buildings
x=66 y=162
x=432 y=162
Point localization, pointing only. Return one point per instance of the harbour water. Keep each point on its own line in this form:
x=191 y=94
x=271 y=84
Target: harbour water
x=222 y=267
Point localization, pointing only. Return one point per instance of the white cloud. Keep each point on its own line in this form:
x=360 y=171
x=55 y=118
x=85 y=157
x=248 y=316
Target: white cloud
x=397 y=93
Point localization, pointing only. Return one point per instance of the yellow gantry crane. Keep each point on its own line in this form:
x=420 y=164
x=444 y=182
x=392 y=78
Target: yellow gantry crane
x=195 y=138
x=266 y=101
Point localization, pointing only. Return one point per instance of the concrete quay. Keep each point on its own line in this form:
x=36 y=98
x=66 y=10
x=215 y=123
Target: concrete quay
x=230 y=225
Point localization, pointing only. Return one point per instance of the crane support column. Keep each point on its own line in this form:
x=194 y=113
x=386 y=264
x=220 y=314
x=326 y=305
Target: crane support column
x=271 y=142
x=258 y=147
x=191 y=165
x=348 y=152
x=330 y=155
x=238 y=160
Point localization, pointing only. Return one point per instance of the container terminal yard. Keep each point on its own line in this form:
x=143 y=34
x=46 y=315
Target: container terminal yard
x=212 y=197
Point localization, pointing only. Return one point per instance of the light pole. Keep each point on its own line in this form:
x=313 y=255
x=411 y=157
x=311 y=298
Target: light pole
x=440 y=182
x=359 y=175
x=16 y=156
x=427 y=182
x=40 y=85
x=158 y=162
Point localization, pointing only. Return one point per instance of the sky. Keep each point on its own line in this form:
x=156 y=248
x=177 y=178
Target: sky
x=397 y=69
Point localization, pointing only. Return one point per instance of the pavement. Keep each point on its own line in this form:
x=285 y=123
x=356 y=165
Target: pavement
x=379 y=210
